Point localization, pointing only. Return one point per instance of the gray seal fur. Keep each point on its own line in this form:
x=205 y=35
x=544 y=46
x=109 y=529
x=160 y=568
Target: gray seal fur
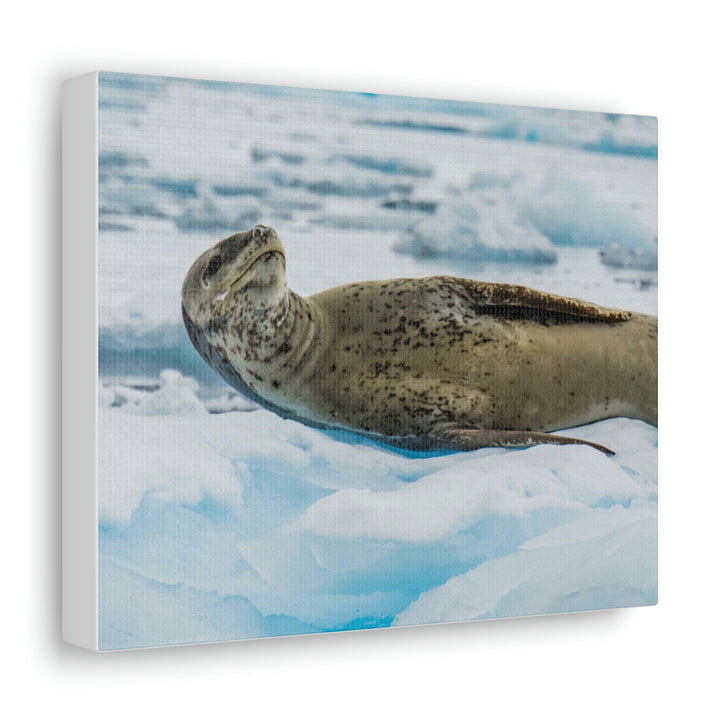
x=437 y=363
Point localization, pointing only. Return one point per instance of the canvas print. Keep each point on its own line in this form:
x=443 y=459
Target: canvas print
x=369 y=361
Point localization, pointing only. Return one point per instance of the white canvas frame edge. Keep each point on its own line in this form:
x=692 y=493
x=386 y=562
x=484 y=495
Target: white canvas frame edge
x=80 y=361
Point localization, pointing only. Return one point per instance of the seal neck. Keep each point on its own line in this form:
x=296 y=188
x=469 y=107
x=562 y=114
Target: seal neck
x=284 y=331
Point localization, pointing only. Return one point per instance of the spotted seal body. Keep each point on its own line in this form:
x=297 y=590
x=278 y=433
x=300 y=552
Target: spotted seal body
x=429 y=363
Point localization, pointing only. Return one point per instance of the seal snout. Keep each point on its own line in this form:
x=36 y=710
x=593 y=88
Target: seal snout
x=260 y=230
x=254 y=256
x=239 y=250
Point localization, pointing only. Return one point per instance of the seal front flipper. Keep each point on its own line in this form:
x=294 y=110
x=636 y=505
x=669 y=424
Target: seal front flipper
x=500 y=295
x=453 y=437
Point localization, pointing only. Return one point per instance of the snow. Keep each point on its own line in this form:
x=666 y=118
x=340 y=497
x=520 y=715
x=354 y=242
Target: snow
x=219 y=520
x=244 y=516
x=454 y=498
x=173 y=395
x=603 y=560
x=161 y=461
x=132 y=197
x=480 y=226
x=616 y=256
x=570 y=212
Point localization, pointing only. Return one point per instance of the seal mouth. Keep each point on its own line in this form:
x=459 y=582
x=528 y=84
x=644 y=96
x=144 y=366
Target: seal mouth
x=220 y=296
x=223 y=294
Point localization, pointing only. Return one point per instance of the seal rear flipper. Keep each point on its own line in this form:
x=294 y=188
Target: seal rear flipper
x=499 y=295
x=463 y=438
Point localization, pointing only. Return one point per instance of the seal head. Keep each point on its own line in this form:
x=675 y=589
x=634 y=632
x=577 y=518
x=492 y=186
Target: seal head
x=233 y=298
x=249 y=263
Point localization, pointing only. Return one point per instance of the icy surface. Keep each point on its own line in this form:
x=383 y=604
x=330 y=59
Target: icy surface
x=605 y=559
x=245 y=516
x=480 y=226
x=570 y=212
x=219 y=520
x=619 y=257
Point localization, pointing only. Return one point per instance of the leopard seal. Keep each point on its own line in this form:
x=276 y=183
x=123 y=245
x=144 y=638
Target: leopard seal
x=436 y=363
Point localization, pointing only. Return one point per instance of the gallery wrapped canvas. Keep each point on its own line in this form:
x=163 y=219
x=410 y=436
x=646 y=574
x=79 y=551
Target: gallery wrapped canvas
x=338 y=361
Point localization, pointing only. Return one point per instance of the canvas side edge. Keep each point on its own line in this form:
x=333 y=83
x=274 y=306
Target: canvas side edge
x=79 y=361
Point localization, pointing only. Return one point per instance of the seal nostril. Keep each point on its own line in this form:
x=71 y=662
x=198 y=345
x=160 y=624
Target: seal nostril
x=259 y=230
x=211 y=269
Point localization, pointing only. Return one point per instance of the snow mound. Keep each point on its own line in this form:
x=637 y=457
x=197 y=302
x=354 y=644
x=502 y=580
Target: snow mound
x=608 y=133
x=229 y=401
x=242 y=524
x=176 y=394
x=143 y=612
x=160 y=460
x=452 y=499
x=479 y=226
x=628 y=258
x=606 y=559
x=570 y=212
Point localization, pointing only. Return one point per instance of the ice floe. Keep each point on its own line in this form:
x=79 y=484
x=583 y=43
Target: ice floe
x=133 y=197
x=570 y=211
x=607 y=558
x=629 y=258
x=260 y=522
x=480 y=226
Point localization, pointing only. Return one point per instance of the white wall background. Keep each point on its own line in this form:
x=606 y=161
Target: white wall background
x=614 y=56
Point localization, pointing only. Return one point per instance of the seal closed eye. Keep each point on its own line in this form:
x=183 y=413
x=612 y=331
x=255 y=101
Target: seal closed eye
x=213 y=266
x=437 y=363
